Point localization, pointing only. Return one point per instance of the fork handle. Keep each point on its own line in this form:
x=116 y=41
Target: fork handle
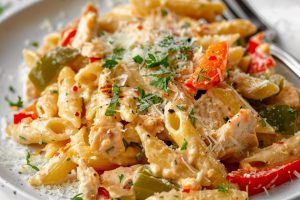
x=242 y=9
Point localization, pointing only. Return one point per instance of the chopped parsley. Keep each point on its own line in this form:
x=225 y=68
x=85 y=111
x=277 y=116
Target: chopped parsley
x=224 y=188
x=114 y=103
x=184 y=145
x=121 y=177
x=29 y=164
x=11 y=89
x=110 y=63
x=192 y=117
x=167 y=41
x=77 y=197
x=201 y=76
x=113 y=60
x=153 y=61
x=162 y=78
x=35 y=44
x=181 y=107
x=145 y=101
x=18 y=103
x=138 y=59
x=118 y=53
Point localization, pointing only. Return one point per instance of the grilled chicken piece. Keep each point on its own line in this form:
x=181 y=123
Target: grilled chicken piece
x=235 y=138
x=89 y=181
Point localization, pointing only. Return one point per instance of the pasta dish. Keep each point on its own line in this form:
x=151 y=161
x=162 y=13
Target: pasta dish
x=158 y=99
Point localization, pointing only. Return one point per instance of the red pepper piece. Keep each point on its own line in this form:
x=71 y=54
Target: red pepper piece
x=257 y=181
x=22 y=115
x=30 y=111
x=211 y=68
x=92 y=59
x=67 y=39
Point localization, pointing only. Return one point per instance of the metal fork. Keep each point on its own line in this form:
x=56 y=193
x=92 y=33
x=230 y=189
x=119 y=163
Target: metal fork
x=242 y=9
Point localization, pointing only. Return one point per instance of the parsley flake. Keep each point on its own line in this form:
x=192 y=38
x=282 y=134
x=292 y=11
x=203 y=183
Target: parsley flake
x=201 y=76
x=11 y=89
x=29 y=164
x=77 y=197
x=192 y=117
x=224 y=188
x=138 y=59
x=153 y=61
x=121 y=177
x=184 y=145
x=114 y=103
x=161 y=79
x=113 y=60
x=118 y=53
x=110 y=63
x=145 y=101
x=18 y=104
x=35 y=44
x=181 y=107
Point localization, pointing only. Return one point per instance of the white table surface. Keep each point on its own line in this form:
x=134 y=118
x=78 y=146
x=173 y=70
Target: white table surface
x=282 y=15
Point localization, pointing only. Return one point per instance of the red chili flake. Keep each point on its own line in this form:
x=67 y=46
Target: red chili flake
x=75 y=88
x=140 y=27
x=69 y=38
x=102 y=192
x=93 y=59
x=212 y=58
x=77 y=114
x=187 y=190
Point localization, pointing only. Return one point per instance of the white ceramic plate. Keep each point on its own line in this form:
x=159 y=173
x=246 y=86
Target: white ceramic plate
x=24 y=24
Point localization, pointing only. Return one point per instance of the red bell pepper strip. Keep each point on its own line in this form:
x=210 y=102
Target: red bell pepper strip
x=69 y=37
x=257 y=181
x=211 y=68
x=27 y=112
x=259 y=62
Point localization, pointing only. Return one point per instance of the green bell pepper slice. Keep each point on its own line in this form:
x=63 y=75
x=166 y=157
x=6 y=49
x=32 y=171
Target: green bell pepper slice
x=49 y=66
x=146 y=185
x=281 y=117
